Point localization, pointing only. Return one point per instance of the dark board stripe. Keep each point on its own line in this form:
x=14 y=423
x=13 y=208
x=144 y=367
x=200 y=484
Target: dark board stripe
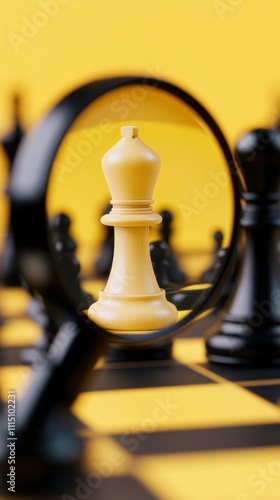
x=199 y=440
x=142 y=377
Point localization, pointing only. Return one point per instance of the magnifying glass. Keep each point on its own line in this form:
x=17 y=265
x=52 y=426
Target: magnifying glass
x=58 y=170
x=57 y=176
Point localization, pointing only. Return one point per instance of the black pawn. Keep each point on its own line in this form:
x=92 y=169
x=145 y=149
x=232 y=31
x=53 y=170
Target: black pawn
x=174 y=273
x=103 y=263
x=250 y=329
x=182 y=299
x=62 y=240
x=159 y=251
x=208 y=276
x=65 y=247
x=49 y=321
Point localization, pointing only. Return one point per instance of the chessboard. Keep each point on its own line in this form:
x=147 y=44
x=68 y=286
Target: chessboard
x=175 y=429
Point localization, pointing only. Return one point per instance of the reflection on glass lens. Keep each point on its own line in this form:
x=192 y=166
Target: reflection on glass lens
x=193 y=192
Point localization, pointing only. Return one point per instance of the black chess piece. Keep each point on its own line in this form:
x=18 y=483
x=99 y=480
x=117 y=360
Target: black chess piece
x=249 y=332
x=62 y=240
x=9 y=270
x=103 y=263
x=50 y=321
x=174 y=273
x=46 y=440
x=218 y=238
x=47 y=316
x=159 y=251
x=213 y=272
x=65 y=247
x=208 y=276
x=183 y=299
x=46 y=443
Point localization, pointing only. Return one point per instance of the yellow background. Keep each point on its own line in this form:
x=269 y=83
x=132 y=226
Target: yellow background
x=225 y=52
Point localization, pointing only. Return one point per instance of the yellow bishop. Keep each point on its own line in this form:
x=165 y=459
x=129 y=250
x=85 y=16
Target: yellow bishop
x=132 y=301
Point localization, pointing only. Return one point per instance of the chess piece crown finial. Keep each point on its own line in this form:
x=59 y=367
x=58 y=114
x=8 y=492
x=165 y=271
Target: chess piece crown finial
x=131 y=169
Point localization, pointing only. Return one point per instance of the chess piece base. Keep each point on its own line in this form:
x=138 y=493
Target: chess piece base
x=238 y=344
x=134 y=313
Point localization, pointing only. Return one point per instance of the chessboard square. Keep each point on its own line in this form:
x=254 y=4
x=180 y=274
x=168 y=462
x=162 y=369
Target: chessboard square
x=165 y=408
x=245 y=373
x=14 y=301
x=105 y=455
x=120 y=488
x=269 y=392
x=19 y=332
x=150 y=375
x=189 y=351
x=13 y=377
x=234 y=475
x=10 y=356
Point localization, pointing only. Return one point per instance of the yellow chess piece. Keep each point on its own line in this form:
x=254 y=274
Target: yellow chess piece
x=132 y=301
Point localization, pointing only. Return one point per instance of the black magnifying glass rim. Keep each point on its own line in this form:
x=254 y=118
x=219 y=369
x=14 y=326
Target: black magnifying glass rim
x=28 y=191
